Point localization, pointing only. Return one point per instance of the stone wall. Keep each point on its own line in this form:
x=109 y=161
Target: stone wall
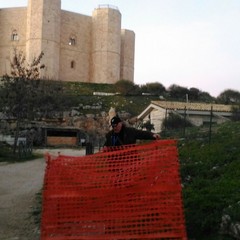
x=11 y=20
x=77 y=54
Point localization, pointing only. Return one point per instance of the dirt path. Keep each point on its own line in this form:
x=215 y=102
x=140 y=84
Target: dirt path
x=19 y=184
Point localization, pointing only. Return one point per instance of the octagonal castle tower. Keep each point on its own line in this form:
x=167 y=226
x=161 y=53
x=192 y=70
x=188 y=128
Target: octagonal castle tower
x=106 y=45
x=43 y=34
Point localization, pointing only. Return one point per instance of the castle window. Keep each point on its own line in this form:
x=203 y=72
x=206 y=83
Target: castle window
x=73 y=64
x=14 y=36
x=72 y=41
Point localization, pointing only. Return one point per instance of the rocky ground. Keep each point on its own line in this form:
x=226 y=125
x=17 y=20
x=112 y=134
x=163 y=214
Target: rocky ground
x=19 y=185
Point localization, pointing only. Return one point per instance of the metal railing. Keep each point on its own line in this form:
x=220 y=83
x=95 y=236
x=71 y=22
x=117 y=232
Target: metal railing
x=108 y=6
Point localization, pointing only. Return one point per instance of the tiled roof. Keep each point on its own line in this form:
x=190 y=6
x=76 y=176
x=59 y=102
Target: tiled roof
x=193 y=106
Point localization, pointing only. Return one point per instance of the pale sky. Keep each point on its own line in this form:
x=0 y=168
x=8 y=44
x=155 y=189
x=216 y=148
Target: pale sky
x=191 y=43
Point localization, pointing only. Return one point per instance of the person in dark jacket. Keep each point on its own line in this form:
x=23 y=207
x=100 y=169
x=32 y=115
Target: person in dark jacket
x=122 y=135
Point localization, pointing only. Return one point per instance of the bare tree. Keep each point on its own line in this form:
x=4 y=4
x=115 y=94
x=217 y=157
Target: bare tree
x=23 y=95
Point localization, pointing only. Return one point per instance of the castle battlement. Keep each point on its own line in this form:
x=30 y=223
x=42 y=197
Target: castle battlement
x=108 y=6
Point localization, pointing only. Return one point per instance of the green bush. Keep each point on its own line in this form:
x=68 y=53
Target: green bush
x=211 y=179
x=174 y=121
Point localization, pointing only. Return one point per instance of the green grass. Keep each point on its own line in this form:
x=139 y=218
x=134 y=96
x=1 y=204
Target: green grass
x=7 y=155
x=82 y=93
x=37 y=209
x=211 y=178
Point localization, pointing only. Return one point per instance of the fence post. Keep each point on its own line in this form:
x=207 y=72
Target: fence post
x=210 y=127
x=89 y=148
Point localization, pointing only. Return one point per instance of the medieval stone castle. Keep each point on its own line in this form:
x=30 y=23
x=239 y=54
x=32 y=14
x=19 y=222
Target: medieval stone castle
x=76 y=47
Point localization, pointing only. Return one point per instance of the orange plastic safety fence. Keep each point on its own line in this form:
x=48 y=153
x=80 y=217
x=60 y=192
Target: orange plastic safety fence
x=133 y=192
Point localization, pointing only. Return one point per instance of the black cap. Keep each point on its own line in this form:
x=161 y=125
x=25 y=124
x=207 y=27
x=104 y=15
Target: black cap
x=115 y=120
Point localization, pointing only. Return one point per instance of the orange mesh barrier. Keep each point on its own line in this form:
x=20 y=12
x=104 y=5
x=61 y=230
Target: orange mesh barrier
x=133 y=192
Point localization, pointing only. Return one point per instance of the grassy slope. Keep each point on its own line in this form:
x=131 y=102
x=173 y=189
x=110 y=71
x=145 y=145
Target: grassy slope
x=211 y=179
x=82 y=93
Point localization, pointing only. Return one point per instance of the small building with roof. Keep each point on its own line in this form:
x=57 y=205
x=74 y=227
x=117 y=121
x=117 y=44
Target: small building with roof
x=197 y=113
x=63 y=136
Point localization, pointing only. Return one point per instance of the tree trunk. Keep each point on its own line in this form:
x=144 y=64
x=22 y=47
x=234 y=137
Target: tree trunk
x=16 y=136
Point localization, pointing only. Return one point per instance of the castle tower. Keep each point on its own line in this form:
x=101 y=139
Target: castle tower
x=127 y=55
x=106 y=45
x=43 y=34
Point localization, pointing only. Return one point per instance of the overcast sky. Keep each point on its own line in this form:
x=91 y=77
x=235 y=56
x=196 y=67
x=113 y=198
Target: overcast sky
x=191 y=43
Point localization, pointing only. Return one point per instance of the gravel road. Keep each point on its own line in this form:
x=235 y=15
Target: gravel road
x=19 y=184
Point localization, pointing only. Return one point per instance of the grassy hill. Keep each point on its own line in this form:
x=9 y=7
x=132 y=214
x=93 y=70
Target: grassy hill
x=211 y=179
x=82 y=93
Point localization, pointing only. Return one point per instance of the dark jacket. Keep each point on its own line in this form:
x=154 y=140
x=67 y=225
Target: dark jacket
x=127 y=135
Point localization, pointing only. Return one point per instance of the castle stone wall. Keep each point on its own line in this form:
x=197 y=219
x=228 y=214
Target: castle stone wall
x=43 y=34
x=106 y=45
x=78 y=27
x=77 y=48
x=11 y=20
x=127 y=55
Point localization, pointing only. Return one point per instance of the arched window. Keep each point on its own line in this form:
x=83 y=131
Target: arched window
x=73 y=64
x=14 y=36
x=72 y=41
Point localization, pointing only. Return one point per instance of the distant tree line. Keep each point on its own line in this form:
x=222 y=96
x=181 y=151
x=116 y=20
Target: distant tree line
x=176 y=92
x=179 y=93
